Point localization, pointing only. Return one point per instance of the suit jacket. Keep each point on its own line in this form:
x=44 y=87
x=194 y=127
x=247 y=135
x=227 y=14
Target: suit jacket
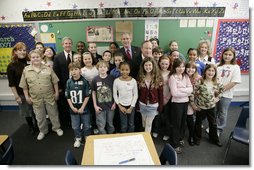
x=135 y=60
x=60 y=67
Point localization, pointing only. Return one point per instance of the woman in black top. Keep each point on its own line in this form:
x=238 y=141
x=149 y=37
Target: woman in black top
x=14 y=72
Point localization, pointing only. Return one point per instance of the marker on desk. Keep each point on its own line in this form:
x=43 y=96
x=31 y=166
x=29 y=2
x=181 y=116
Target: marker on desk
x=125 y=161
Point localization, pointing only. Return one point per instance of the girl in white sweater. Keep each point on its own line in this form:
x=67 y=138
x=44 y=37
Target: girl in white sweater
x=125 y=93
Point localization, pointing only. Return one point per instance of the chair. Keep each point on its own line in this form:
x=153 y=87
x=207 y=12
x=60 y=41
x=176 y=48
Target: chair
x=8 y=152
x=70 y=158
x=240 y=133
x=168 y=155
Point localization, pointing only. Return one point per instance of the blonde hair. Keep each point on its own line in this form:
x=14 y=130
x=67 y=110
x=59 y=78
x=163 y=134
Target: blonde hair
x=207 y=42
x=35 y=52
x=156 y=76
x=102 y=62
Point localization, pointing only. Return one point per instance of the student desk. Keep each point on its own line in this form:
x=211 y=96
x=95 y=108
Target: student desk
x=88 y=153
x=3 y=139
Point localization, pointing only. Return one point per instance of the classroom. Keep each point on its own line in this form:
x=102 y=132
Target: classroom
x=222 y=23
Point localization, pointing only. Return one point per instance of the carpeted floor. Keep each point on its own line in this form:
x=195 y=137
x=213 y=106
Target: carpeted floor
x=52 y=149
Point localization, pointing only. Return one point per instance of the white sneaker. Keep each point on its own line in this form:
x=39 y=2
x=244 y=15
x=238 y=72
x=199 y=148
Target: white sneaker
x=40 y=136
x=59 y=132
x=96 y=131
x=207 y=130
x=77 y=143
x=155 y=135
x=165 y=138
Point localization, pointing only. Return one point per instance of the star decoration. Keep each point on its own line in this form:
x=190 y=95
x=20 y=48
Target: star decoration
x=196 y=3
x=74 y=6
x=235 y=6
x=214 y=4
x=174 y=1
x=101 y=5
x=125 y=3
x=49 y=4
x=150 y=4
x=3 y=17
x=25 y=10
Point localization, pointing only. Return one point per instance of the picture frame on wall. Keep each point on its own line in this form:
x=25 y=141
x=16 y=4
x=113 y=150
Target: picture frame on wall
x=99 y=34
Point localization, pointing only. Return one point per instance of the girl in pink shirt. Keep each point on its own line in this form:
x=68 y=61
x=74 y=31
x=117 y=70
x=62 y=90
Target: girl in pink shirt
x=180 y=88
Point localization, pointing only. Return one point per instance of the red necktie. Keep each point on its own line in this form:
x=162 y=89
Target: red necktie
x=68 y=58
x=128 y=54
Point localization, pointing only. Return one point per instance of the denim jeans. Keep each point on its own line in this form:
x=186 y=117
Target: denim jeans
x=222 y=112
x=104 y=118
x=127 y=121
x=76 y=121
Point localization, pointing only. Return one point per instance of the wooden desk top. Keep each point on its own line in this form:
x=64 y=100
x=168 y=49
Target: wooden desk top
x=89 y=146
x=3 y=138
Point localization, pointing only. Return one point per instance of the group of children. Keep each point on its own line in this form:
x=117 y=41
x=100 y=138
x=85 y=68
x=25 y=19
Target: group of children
x=167 y=90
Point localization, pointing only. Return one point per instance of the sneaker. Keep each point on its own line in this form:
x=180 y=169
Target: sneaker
x=165 y=138
x=181 y=143
x=178 y=150
x=155 y=135
x=77 y=143
x=96 y=131
x=59 y=132
x=207 y=130
x=40 y=136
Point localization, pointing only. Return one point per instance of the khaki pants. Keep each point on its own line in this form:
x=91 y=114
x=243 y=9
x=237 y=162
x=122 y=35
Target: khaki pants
x=40 y=110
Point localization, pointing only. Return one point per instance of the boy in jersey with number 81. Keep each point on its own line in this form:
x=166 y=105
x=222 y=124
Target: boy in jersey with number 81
x=77 y=93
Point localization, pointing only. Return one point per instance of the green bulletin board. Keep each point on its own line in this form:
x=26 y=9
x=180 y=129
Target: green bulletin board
x=169 y=29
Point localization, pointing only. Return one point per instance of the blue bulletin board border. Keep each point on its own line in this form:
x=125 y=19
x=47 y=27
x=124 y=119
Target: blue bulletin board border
x=237 y=35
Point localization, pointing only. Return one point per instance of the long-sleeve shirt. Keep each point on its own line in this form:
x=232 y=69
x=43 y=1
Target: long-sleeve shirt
x=205 y=95
x=180 y=89
x=125 y=92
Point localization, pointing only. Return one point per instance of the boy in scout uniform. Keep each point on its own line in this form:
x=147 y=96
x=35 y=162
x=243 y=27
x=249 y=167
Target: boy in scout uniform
x=40 y=86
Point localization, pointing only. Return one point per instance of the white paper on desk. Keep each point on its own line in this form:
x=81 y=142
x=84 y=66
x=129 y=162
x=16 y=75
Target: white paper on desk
x=111 y=151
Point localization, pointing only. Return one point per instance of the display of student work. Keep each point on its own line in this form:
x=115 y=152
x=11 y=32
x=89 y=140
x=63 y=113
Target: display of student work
x=234 y=33
x=11 y=34
x=99 y=34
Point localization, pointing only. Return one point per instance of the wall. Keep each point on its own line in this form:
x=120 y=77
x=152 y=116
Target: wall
x=11 y=11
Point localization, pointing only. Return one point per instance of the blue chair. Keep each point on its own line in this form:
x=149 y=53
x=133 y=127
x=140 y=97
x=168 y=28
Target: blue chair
x=169 y=155
x=8 y=152
x=70 y=158
x=240 y=133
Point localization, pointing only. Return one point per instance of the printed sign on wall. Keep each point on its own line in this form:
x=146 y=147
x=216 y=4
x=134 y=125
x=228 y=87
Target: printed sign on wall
x=234 y=33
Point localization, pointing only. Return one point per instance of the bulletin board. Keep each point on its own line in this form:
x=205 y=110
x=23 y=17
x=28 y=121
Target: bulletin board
x=11 y=34
x=169 y=29
x=234 y=33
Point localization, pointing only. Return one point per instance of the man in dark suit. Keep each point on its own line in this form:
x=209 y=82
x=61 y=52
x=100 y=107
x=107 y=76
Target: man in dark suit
x=131 y=54
x=61 y=63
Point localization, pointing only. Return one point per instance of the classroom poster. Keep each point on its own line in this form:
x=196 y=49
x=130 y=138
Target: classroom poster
x=49 y=40
x=234 y=33
x=151 y=28
x=11 y=34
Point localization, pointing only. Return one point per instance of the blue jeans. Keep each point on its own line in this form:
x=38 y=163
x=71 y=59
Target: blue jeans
x=104 y=118
x=76 y=121
x=222 y=112
x=127 y=121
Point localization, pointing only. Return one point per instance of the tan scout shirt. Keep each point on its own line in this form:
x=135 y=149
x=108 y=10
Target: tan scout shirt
x=39 y=83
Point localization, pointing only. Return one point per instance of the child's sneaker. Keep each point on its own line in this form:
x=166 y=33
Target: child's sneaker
x=165 y=138
x=77 y=143
x=155 y=135
x=178 y=150
x=59 y=132
x=40 y=136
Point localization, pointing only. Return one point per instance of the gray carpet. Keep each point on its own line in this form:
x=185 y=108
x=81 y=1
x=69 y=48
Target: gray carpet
x=51 y=150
